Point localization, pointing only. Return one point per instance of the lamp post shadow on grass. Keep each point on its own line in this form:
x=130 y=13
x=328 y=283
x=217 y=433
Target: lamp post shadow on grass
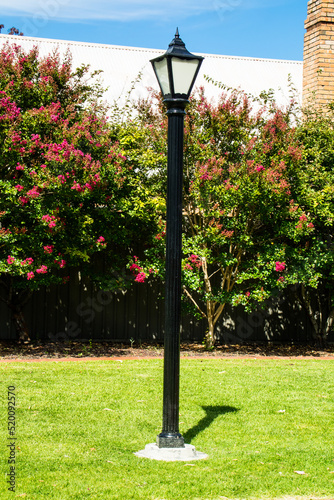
x=188 y=452
x=212 y=412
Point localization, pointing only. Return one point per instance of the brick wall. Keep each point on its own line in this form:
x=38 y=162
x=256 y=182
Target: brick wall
x=318 y=69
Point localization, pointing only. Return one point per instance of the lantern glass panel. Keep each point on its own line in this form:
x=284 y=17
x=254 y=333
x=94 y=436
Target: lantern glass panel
x=183 y=74
x=162 y=74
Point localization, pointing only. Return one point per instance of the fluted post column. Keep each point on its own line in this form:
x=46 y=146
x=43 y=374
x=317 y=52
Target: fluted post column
x=170 y=436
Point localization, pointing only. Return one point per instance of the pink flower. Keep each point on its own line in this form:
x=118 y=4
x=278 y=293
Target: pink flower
x=48 y=248
x=28 y=261
x=19 y=167
x=259 y=168
x=100 y=240
x=195 y=260
x=30 y=276
x=51 y=220
x=193 y=257
x=62 y=263
x=140 y=278
x=280 y=266
x=42 y=270
x=23 y=200
x=247 y=294
x=19 y=187
x=188 y=266
x=10 y=260
x=33 y=193
x=134 y=268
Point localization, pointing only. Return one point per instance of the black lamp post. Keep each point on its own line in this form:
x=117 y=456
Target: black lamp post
x=176 y=71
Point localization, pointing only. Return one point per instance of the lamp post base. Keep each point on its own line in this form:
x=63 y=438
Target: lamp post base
x=185 y=454
x=170 y=440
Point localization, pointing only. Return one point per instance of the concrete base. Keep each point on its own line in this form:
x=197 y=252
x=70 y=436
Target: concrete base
x=171 y=454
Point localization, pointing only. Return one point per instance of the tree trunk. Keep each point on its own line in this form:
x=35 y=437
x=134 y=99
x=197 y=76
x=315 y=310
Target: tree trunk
x=20 y=325
x=321 y=321
x=209 y=339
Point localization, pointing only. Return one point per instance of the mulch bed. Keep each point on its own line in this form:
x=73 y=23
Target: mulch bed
x=10 y=351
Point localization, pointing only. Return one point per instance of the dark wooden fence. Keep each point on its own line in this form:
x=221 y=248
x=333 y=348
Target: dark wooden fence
x=78 y=311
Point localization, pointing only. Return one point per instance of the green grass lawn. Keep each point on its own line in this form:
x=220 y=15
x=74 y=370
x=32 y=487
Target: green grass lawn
x=79 y=423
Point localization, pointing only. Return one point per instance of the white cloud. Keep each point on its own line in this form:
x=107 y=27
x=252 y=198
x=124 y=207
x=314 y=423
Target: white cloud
x=126 y=10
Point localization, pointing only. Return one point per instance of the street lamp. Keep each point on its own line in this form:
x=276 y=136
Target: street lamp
x=176 y=71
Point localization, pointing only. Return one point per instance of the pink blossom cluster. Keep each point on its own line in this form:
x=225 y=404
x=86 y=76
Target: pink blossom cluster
x=302 y=220
x=33 y=193
x=280 y=266
x=138 y=271
x=16 y=137
x=42 y=270
x=10 y=259
x=195 y=260
x=140 y=278
x=61 y=152
x=50 y=219
x=62 y=178
x=134 y=268
x=101 y=241
x=23 y=200
x=8 y=109
x=211 y=169
x=27 y=261
x=48 y=248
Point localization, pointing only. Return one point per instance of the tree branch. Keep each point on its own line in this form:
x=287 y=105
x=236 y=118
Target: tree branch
x=194 y=302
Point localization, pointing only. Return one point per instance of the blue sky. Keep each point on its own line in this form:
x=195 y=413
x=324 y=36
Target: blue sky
x=254 y=28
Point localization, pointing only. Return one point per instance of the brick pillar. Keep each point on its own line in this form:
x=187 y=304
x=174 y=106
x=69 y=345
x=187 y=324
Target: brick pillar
x=318 y=68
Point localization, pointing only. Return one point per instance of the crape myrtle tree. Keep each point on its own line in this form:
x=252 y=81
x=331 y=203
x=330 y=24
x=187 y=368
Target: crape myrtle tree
x=245 y=223
x=69 y=196
x=314 y=261
x=306 y=236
